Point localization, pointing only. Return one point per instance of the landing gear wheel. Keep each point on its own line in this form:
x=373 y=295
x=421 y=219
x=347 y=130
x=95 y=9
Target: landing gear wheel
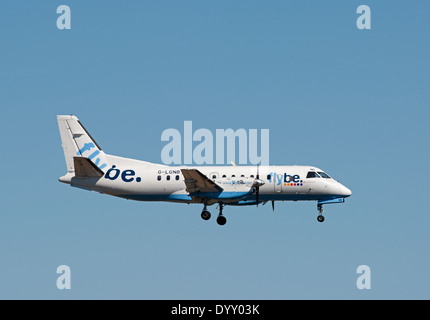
x=221 y=220
x=206 y=215
x=320 y=217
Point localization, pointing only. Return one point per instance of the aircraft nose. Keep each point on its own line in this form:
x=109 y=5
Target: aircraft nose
x=345 y=192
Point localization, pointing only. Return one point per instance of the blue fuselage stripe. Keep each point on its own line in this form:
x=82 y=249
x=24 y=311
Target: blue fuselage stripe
x=248 y=197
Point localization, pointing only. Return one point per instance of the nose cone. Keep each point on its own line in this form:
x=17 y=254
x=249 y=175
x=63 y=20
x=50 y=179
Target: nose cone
x=345 y=192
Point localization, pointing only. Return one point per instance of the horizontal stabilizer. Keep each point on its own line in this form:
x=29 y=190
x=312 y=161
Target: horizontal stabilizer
x=85 y=168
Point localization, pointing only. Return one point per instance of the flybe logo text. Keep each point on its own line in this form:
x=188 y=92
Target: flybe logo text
x=88 y=147
x=286 y=179
x=126 y=176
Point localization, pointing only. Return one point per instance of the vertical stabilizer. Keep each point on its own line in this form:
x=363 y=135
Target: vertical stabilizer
x=77 y=142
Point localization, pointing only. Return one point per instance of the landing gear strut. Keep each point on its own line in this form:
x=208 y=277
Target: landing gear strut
x=221 y=220
x=320 y=217
x=206 y=215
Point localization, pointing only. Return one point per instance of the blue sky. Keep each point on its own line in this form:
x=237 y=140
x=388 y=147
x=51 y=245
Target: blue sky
x=355 y=103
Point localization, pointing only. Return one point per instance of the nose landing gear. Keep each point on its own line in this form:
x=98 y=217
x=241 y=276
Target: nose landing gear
x=320 y=217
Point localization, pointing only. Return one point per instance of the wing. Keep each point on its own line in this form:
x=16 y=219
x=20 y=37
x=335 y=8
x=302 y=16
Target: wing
x=198 y=182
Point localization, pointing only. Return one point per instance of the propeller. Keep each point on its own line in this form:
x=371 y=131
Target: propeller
x=273 y=204
x=257 y=188
x=257 y=184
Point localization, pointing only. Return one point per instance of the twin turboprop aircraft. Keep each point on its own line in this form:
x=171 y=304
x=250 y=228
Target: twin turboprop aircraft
x=88 y=167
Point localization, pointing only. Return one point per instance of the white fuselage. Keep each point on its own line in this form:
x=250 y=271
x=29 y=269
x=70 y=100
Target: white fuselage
x=140 y=180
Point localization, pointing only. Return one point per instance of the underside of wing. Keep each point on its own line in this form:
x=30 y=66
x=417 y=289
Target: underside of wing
x=198 y=182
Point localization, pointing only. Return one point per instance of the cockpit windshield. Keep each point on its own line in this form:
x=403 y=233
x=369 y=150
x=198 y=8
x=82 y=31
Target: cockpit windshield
x=312 y=174
x=324 y=175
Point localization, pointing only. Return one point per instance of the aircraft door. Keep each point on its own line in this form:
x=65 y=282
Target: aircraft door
x=277 y=181
x=278 y=186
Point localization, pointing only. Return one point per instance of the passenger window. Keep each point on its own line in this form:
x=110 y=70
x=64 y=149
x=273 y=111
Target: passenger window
x=168 y=178
x=312 y=174
x=324 y=175
x=177 y=177
x=214 y=177
x=224 y=176
x=252 y=176
x=242 y=176
x=159 y=178
x=233 y=176
x=269 y=176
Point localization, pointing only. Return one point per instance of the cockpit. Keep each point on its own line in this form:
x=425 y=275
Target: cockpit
x=319 y=174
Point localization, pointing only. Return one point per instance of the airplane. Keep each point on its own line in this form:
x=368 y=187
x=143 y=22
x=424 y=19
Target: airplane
x=89 y=168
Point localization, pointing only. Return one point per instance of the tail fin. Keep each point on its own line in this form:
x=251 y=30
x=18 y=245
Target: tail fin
x=77 y=142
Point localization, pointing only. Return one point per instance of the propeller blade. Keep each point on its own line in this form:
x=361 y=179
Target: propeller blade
x=257 y=189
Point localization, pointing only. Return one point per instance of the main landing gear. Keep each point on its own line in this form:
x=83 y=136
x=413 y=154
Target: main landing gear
x=206 y=215
x=221 y=220
x=320 y=217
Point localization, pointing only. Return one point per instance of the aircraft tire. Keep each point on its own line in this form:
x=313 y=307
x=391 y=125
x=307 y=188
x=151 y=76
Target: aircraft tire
x=206 y=215
x=221 y=220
